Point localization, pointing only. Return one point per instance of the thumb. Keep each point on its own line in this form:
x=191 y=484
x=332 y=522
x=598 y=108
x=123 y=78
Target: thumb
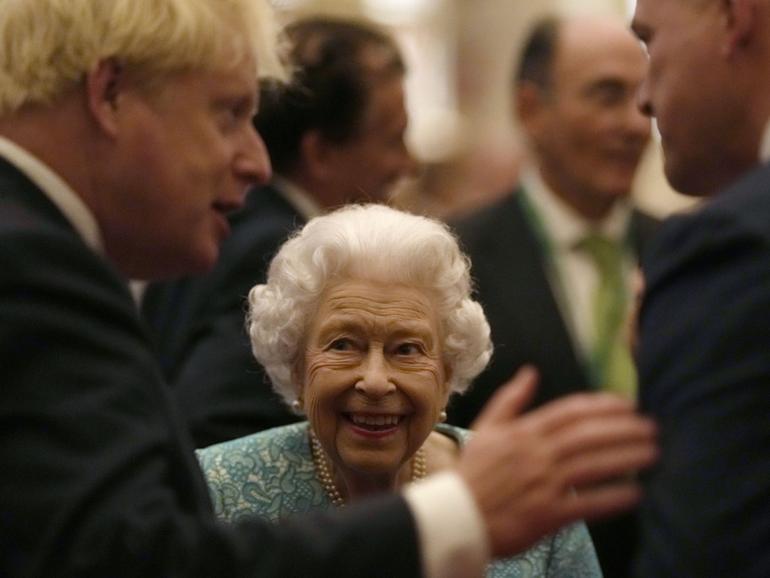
x=510 y=399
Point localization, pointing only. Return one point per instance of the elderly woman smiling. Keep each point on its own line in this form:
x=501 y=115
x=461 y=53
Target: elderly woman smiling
x=366 y=325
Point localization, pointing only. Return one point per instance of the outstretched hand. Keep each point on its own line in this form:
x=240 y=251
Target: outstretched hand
x=571 y=459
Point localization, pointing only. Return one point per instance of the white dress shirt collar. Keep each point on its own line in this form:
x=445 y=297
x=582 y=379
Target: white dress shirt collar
x=298 y=198
x=57 y=191
x=562 y=223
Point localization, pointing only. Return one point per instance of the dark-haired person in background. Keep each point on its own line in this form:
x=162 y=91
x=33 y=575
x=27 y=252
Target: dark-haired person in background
x=537 y=277
x=335 y=135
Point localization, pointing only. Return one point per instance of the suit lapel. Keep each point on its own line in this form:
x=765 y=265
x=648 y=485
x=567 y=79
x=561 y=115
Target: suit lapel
x=533 y=298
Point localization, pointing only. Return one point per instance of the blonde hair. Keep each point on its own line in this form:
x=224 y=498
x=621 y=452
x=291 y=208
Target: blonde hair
x=47 y=46
x=371 y=242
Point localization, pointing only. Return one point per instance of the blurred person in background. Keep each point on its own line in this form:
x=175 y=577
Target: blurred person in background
x=553 y=260
x=335 y=135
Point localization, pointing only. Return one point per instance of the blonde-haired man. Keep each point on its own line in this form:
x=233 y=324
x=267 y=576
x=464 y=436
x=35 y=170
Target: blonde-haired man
x=125 y=137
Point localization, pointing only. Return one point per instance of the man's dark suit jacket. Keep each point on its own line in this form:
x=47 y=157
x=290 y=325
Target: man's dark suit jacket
x=508 y=264
x=704 y=364
x=98 y=476
x=199 y=325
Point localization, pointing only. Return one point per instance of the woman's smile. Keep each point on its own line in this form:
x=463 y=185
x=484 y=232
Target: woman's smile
x=371 y=425
x=374 y=421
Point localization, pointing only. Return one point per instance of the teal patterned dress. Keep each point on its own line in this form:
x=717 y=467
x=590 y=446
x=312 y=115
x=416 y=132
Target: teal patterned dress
x=271 y=474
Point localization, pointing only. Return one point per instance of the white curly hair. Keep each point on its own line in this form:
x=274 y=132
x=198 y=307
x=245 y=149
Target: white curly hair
x=371 y=242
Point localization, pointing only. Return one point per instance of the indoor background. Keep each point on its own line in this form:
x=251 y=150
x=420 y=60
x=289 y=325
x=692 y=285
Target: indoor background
x=460 y=55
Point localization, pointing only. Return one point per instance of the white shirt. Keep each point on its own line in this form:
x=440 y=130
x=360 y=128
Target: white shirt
x=298 y=198
x=453 y=539
x=572 y=273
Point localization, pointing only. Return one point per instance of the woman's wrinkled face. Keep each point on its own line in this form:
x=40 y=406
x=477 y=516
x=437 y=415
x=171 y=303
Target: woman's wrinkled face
x=374 y=377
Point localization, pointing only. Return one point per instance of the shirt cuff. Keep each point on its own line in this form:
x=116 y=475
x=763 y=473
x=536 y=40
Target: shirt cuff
x=452 y=534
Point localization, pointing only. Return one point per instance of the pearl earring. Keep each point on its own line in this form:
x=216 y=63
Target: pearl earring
x=296 y=406
x=442 y=416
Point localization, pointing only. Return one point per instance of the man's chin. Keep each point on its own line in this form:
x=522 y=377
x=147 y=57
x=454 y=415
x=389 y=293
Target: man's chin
x=202 y=263
x=616 y=192
x=687 y=182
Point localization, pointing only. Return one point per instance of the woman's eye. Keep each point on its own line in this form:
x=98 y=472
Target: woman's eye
x=341 y=345
x=408 y=349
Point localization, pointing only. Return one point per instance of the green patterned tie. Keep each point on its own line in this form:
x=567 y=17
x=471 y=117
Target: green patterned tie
x=612 y=367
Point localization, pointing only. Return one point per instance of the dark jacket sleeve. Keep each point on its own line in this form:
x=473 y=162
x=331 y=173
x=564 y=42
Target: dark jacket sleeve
x=705 y=377
x=98 y=477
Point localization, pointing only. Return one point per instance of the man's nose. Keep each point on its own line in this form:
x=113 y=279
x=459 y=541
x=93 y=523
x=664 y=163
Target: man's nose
x=637 y=124
x=643 y=102
x=374 y=381
x=253 y=161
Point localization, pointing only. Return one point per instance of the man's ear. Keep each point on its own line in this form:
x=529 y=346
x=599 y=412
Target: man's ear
x=529 y=102
x=317 y=155
x=103 y=89
x=739 y=23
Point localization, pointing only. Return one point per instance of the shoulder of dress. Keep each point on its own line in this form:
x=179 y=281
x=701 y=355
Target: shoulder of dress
x=291 y=437
x=458 y=434
x=270 y=474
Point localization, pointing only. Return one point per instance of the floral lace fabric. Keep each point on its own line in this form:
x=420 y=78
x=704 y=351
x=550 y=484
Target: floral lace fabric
x=271 y=474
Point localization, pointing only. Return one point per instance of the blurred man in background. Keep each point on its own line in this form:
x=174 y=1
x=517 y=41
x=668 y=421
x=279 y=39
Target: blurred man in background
x=554 y=259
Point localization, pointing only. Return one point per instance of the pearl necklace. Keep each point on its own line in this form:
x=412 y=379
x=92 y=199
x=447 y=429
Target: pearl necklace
x=419 y=470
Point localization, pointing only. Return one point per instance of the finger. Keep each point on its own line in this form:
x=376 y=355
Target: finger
x=510 y=399
x=596 y=433
x=600 y=502
x=576 y=407
x=609 y=464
